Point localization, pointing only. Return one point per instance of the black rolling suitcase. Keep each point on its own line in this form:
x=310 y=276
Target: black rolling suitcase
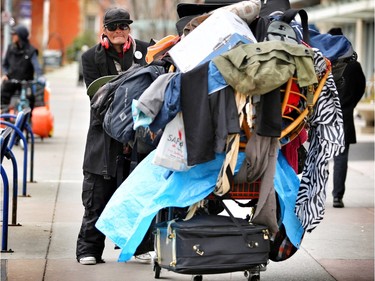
x=210 y=244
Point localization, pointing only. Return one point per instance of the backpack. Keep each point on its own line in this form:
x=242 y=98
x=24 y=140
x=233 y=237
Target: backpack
x=278 y=25
x=282 y=26
x=103 y=97
x=118 y=119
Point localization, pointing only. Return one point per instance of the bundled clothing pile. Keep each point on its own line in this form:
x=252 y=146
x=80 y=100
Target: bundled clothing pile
x=235 y=85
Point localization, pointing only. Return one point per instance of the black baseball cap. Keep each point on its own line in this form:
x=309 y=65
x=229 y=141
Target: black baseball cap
x=21 y=31
x=116 y=15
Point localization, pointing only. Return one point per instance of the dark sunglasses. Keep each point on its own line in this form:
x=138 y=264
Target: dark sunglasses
x=114 y=26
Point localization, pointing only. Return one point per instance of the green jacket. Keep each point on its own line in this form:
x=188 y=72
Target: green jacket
x=256 y=69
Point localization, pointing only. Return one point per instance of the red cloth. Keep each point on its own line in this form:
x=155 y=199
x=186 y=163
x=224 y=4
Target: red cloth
x=290 y=149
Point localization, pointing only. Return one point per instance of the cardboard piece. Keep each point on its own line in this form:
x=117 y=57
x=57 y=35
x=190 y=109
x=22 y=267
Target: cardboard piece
x=208 y=37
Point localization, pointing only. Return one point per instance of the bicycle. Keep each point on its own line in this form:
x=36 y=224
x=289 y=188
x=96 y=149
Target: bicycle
x=31 y=91
x=33 y=94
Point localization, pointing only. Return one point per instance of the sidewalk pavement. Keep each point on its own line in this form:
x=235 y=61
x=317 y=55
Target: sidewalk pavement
x=43 y=246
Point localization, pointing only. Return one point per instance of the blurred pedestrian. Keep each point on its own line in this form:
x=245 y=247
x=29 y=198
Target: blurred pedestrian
x=116 y=52
x=84 y=48
x=351 y=89
x=20 y=63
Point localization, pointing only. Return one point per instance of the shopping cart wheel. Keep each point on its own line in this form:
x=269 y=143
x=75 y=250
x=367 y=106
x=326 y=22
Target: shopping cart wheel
x=157 y=270
x=252 y=275
x=198 y=278
x=254 y=278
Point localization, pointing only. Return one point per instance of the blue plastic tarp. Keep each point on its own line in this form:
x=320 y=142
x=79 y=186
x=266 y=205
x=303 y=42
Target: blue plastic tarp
x=150 y=188
x=287 y=184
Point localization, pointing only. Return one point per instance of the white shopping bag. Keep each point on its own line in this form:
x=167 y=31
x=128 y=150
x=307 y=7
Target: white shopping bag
x=171 y=152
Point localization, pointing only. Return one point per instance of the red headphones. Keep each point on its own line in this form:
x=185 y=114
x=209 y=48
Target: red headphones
x=104 y=41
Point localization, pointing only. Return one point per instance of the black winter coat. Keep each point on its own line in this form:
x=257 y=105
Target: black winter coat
x=355 y=84
x=17 y=62
x=101 y=150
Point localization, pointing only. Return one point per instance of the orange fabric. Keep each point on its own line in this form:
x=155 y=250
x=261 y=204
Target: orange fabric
x=161 y=47
x=293 y=99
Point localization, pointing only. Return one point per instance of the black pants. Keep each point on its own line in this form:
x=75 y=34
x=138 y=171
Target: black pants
x=96 y=192
x=10 y=97
x=340 y=169
x=7 y=91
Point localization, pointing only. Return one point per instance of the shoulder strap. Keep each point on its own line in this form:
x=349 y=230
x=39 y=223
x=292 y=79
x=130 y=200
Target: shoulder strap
x=290 y=14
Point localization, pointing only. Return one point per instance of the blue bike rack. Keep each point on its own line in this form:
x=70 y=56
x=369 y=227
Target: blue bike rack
x=9 y=154
x=4 y=241
x=4 y=140
x=19 y=126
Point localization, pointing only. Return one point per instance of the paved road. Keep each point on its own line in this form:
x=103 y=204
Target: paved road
x=341 y=248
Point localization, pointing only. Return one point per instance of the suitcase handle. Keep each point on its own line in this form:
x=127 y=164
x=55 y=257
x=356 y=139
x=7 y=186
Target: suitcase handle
x=250 y=244
x=197 y=249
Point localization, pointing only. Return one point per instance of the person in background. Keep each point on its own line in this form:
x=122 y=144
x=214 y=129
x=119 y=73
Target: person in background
x=84 y=48
x=116 y=52
x=350 y=90
x=20 y=63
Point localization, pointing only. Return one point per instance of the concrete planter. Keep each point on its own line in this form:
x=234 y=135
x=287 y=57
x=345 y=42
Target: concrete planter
x=366 y=111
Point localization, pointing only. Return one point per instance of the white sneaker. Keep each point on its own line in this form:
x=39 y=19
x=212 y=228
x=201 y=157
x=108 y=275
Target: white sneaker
x=146 y=257
x=87 y=260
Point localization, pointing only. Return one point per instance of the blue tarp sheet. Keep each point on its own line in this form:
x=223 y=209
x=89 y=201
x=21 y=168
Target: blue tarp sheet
x=150 y=188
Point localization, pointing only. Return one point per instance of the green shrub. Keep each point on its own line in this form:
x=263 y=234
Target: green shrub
x=87 y=38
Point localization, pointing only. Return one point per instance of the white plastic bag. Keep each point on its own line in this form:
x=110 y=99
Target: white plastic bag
x=171 y=151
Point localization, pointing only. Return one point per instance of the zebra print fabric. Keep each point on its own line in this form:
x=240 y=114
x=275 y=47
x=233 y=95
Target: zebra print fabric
x=326 y=140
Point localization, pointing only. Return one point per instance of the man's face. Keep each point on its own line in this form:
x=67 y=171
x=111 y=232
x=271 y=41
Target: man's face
x=15 y=38
x=117 y=33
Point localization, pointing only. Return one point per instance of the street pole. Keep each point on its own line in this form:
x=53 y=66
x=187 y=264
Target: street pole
x=46 y=9
x=7 y=25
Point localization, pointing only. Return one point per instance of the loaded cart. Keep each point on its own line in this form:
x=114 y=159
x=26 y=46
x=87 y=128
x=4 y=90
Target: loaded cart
x=241 y=93
x=214 y=244
x=208 y=243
